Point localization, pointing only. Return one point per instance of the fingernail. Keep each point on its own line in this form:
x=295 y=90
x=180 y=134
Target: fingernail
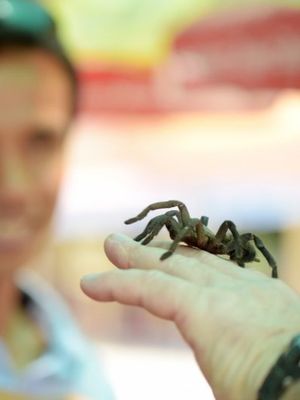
x=116 y=248
x=119 y=237
x=90 y=277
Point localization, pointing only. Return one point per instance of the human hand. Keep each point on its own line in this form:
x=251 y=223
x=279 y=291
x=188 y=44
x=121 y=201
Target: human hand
x=237 y=321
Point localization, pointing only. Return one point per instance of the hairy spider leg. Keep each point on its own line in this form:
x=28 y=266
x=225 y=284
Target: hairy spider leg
x=155 y=225
x=179 y=237
x=152 y=228
x=221 y=234
x=260 y=245
x=163 y=204
x=175 y=213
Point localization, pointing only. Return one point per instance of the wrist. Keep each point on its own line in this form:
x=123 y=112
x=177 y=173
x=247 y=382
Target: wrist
x=266 y=356
x=293 y=393
x=244 y=379
x=259 y=366
x=284 y=374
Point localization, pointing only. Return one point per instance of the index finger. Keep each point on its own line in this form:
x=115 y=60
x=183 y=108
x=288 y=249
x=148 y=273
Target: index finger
x=125 y=253
x=221 y=264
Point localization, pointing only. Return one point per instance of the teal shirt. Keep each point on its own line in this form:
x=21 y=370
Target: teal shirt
x=68 y=366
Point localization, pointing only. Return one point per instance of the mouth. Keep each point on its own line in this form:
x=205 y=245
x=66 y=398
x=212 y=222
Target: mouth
x=14 y=236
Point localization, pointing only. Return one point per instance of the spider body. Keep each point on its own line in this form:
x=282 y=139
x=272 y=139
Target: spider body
x=240 y=248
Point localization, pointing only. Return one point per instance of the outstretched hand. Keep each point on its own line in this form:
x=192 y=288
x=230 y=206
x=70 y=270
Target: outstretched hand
x=237 y=321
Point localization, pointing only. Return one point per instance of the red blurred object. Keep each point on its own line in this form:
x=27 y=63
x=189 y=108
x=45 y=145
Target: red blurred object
x=253 y=49
x=233 y=60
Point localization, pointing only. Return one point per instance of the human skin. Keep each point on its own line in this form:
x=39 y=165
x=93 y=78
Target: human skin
x=236 y=321
x=35 y=112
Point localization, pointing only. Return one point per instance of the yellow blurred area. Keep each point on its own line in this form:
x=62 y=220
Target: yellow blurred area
x=128 y=32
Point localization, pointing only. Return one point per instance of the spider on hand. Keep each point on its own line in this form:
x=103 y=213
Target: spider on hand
x=195 y=233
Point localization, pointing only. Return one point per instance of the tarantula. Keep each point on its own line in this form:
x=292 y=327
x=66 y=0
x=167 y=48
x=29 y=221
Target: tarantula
x=195 y=233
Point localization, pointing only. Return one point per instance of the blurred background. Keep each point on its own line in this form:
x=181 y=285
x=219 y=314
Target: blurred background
x=195 y=100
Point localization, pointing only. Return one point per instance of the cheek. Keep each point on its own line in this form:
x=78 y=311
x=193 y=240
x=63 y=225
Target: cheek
x=48 y=180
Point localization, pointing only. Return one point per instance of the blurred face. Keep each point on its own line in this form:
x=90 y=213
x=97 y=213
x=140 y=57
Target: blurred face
x=35 y=103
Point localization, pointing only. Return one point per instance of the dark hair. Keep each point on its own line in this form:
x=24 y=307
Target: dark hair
x=25 y=24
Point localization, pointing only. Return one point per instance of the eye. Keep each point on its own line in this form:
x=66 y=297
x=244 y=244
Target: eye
x=43 y=139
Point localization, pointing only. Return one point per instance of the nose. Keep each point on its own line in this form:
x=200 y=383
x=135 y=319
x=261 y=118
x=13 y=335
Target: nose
x=13 y=183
